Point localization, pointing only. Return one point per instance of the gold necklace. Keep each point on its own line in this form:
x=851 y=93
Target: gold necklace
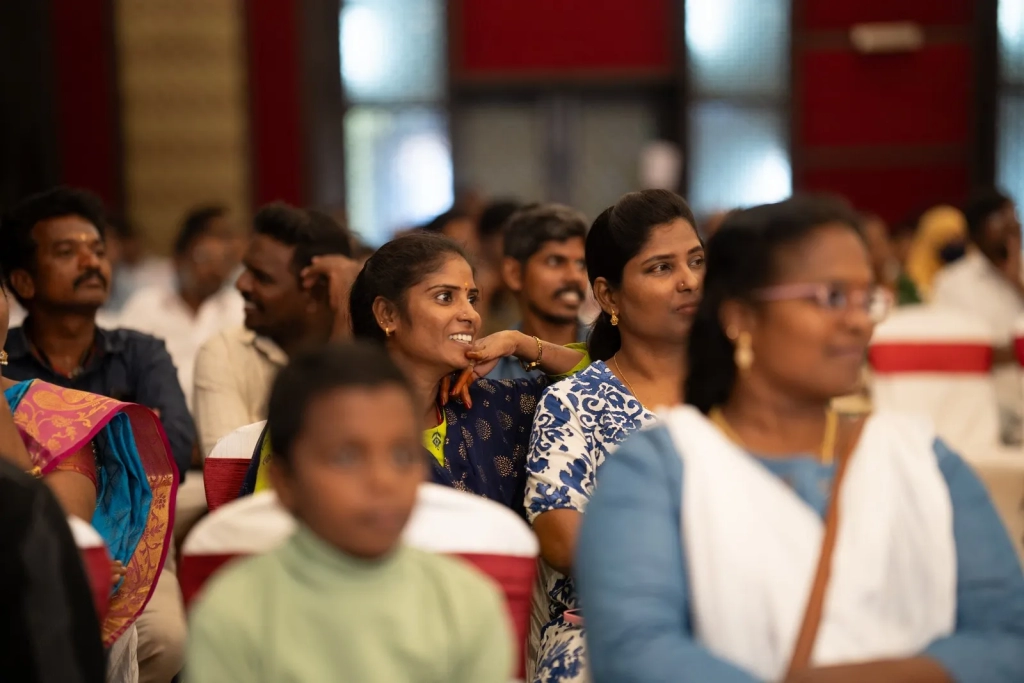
x=828 y=442
x=628 y=385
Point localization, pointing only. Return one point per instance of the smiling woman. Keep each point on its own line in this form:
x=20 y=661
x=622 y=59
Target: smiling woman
x=417 y=296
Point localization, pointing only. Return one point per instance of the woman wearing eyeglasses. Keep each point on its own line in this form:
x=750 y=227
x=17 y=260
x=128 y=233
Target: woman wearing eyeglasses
x=756 y=535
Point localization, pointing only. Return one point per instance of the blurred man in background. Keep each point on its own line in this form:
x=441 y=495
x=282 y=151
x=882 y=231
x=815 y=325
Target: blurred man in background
x=502 y=311
x=134 y=267
x=202 y=301
x=297 y=273
x=545 y=268
x=986 y=283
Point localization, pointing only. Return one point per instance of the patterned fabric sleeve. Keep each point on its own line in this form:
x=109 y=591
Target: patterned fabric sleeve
x=525 y=395
x=559 y=467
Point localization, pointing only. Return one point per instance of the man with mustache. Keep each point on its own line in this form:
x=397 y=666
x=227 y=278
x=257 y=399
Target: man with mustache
x=545 y=268
x=54 y=258
x=295 y=286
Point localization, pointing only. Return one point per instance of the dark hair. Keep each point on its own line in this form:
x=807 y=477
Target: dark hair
x=741 y=258
x=311 y=233
x=120 y=228
x=391 y=271
x=436 y=225
x=529 y=228
x=19 y=247
x=618 y=235
x=495 y=215
x=197 y=224
x=980 y=206
x=316 y=372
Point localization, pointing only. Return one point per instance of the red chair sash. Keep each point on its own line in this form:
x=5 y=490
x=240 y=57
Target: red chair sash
x=98 y=569
x=223 y=479
x=515 y=575
x=197 y=569
x=967 y=358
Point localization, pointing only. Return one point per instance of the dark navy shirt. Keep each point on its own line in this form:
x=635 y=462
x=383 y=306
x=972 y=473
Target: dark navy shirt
x=127 y=366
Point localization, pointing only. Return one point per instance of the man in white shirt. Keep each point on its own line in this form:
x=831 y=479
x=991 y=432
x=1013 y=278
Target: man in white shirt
x=201 y=303
x=295 y=285
x=986 y=282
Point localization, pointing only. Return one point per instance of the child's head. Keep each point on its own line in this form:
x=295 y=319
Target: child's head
x=347 y=452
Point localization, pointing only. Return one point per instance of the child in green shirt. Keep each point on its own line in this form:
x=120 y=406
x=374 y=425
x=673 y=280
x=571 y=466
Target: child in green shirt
x=343 y=599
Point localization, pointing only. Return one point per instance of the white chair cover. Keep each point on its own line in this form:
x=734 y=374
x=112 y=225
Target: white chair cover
x=936 y=361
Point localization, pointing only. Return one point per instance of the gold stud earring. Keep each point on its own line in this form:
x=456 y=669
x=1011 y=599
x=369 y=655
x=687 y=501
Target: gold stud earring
x=744 y=354
x=615 y=318
x=3 y=357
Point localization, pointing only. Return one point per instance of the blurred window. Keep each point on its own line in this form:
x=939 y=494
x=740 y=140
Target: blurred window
x=1010 y=110
x=738 y=61
x=398 y=166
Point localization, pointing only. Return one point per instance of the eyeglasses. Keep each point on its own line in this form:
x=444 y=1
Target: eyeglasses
x=875 y=301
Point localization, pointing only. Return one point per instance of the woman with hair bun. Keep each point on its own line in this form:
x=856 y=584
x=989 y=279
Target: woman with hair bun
x=645 y=262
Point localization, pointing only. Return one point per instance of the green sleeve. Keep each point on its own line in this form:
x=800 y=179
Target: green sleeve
x=219 y=649
x=487 y=645
x=582 y=365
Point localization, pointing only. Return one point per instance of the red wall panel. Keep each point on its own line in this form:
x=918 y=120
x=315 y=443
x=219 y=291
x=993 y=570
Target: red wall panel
x=895 y=192
x=918 y=98
x=85 y=94
x=275 y=96
x=865 y=124
x=840 y=14
x=543 y=36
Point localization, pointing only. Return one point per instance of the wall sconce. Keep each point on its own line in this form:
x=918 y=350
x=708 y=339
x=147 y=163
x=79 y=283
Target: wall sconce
x=887 y=38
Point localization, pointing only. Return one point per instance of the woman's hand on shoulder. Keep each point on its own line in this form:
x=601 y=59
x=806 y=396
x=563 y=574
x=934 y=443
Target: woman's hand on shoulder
x=482 y=355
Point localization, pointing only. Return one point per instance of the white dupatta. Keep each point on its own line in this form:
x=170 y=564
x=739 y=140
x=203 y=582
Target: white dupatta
x=752 y=546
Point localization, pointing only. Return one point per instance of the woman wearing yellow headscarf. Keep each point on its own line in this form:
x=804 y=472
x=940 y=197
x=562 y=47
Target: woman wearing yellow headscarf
x=941 y=229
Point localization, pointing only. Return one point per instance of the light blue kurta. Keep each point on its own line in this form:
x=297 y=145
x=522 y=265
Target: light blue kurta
x=631 y=572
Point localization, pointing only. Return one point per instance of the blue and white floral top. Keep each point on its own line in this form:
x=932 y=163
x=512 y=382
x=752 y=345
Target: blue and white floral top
x=579 y=421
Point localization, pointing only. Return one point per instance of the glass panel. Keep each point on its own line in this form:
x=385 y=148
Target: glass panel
x=398 y=169
x=1010 y=147
x=1011 y=40
x=738 y=47
x=500 y=150
x=738 y=157
x=610 y=138
x=392 y=50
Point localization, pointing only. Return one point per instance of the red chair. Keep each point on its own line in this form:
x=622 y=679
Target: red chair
x=246 y=526
x=96 y=561
x=486 y=534
x=226 y=465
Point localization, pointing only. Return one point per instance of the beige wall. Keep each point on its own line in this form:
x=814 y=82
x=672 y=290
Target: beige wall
x=184 y=110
